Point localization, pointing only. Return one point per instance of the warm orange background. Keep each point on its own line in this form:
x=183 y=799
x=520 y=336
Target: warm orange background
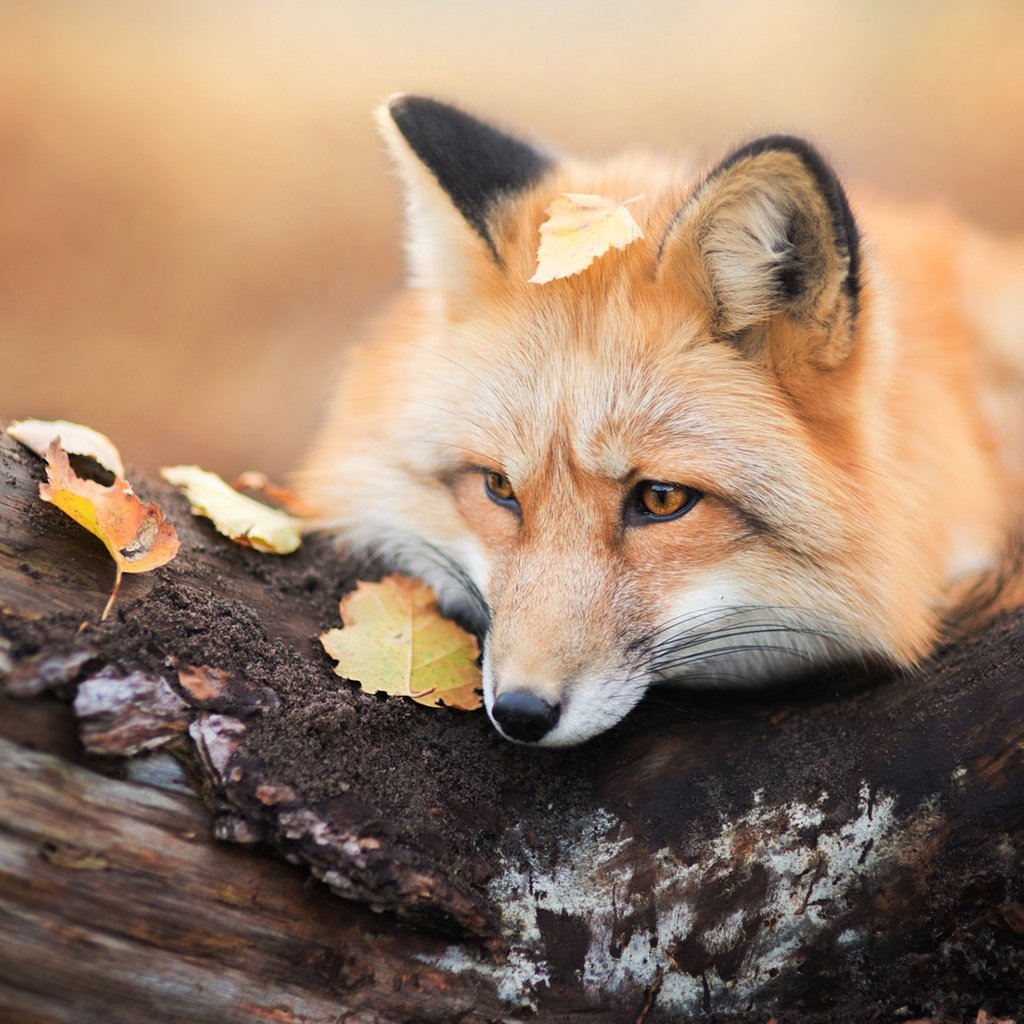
x=195 y=213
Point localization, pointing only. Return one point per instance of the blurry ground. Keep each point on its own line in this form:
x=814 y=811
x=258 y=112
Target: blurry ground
x=195 y=213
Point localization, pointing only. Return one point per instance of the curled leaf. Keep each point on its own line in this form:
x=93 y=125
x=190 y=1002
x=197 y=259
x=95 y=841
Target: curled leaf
x=397 y=642
x=135 y=533
x=284 y=498
x=579 y=229
x=241 y=518
x=74 y=438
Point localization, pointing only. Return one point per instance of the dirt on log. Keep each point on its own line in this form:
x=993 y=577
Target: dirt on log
x=848 y=850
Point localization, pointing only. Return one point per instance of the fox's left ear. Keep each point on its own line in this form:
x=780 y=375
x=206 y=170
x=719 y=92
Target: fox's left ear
x=457 y=172
x=769 y=245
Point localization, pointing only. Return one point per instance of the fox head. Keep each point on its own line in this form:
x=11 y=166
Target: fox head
x=662 y=467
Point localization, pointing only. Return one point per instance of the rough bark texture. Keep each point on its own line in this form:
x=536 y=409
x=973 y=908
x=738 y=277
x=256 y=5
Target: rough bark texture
x=836 y=852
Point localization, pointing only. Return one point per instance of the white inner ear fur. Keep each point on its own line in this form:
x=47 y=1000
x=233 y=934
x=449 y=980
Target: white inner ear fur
x=745 y=242
x=439 y=243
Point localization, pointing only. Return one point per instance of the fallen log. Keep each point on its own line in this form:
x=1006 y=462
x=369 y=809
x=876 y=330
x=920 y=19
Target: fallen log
x=835 y=851
x=117 y=905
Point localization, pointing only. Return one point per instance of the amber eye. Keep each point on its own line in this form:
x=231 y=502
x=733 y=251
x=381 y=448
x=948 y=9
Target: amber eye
x=498 y=488
x=657 y=500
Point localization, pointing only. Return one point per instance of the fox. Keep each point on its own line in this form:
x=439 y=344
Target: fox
x=781 y=432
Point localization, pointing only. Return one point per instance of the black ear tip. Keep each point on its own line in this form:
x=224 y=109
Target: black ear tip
x=414 y=114
x=397 y=101
x=404 y=106
x=474 y=162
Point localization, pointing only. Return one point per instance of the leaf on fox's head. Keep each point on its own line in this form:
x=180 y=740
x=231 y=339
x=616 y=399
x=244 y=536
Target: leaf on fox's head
x=135 y=533
x=243 y=519
x=396 y=641
x=579 y=229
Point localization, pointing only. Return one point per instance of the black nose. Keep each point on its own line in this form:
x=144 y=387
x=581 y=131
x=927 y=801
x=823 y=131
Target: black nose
x=524 y=716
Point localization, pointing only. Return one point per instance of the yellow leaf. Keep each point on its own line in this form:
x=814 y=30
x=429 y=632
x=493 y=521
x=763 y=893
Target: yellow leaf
x=136 y=534
x=395 y=640
x=74 y=439
x=241 y=518
x=580 y=228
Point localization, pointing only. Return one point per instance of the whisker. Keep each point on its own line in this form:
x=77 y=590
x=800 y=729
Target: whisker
x=709 y=636
x=692 y=619
x=731 y=611
x=466 y=585
x=407 y=550
x=772 y=615
x=721 y=652
x=738 y=630
x=702 y=679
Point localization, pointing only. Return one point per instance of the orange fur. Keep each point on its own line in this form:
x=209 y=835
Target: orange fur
x=862 y=467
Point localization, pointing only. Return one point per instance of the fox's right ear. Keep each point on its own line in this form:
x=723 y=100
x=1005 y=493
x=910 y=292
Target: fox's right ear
x=457 y=172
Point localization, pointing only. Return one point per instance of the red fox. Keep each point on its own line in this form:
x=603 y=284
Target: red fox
x=778 y=432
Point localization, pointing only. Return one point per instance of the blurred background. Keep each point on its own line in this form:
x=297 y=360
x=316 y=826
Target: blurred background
x=196 y=214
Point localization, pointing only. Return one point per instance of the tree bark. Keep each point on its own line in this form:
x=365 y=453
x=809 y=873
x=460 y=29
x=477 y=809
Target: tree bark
x=838 y=851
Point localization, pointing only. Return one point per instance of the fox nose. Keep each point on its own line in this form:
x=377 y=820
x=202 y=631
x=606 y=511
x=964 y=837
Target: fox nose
x=524 y=716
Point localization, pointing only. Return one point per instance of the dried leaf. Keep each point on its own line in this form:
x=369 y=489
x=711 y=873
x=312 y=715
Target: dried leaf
x=579 y=229
x=279 y=497
x=74 y=439
x=243 y=519
x=395 y=640
x=136 y=534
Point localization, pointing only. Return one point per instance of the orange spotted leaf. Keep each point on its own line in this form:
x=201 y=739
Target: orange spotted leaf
x=135 y=533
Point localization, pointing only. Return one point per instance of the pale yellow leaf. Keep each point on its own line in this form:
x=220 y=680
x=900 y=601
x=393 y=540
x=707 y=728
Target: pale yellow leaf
x=396 y=641
x=579 y=229
x=243 y=519
x=74 y=438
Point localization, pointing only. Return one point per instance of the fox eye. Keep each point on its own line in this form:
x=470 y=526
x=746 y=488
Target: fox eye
x=655 y=500
x=498 y=488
